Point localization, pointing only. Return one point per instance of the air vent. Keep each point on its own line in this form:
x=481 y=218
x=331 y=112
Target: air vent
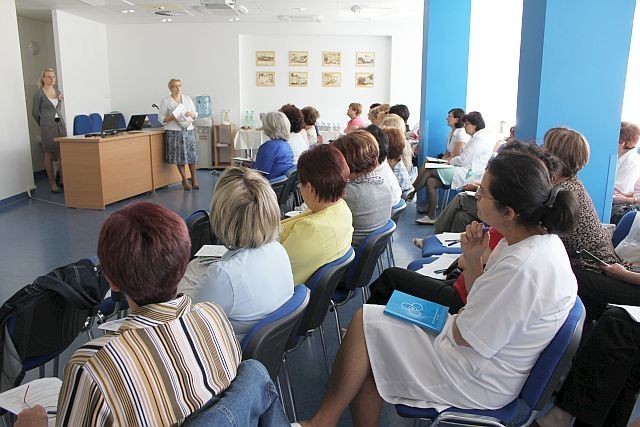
x=165 y=13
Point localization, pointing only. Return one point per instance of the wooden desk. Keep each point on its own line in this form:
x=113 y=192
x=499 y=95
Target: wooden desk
x=99 y=171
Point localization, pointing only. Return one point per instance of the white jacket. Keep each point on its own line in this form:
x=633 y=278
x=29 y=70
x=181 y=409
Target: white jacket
x=471 y=163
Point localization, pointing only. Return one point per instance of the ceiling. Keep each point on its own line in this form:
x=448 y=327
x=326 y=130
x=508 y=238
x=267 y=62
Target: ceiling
x=257 y=11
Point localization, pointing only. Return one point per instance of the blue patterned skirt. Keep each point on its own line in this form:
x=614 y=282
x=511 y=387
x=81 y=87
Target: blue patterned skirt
x=180 y=147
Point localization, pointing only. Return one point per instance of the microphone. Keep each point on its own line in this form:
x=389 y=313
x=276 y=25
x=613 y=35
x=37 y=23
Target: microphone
x=155 y=106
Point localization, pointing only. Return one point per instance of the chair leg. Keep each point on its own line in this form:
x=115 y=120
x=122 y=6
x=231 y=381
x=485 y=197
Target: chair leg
x=288 y=380
x=284 y=406
x=324 y=350
x=392 y=260
x=335 y=313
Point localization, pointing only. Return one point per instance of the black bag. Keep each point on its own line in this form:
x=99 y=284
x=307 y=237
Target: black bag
x=453 y=271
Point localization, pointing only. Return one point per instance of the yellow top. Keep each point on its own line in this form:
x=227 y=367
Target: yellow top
x=313 y=239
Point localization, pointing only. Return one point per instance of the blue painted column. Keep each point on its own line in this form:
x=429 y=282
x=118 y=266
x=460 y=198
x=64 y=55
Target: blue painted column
x=445 y=60
x=573 y=65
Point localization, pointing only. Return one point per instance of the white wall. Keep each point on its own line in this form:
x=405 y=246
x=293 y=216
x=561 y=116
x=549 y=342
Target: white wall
x=41 y=33
x=83 y=65
x=207 y=58
x=494 y=54
x=631 y=104
x=332 y=102
x=15 y=157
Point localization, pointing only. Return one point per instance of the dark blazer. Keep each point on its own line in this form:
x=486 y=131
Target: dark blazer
x=43 y=111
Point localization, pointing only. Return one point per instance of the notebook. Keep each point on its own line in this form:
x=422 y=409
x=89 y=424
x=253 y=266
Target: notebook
x=421 y=312
x=135 y=122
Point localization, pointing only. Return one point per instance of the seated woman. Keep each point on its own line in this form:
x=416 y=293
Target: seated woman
x=144 y=250
x=311 y=115
x=627 y=172
x=377 y=113
x=368 y=198
x=395 y=121
x=323 y=232
x=353 y=112
x=457 y=138
x=298 y=139
x=275 y=156
x=394 y=158
x=468 y=166
x=254 y=277
x=384 y=169
x=514 y=309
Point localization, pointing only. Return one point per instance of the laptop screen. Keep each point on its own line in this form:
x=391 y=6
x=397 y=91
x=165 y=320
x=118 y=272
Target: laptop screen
x=110 y=122
x=136 y=121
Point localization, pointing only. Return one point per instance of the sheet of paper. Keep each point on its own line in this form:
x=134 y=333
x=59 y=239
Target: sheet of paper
x=435 y=160
x=215 y=251
x=437 y=166
x=43 y=391
x=470 y=193
x=112 y=326
x=633 y=310
x=178 y=113
x=440 y=264
x=450 y=240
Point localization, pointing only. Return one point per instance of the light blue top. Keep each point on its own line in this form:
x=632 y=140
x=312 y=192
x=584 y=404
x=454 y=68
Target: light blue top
x=248 y=284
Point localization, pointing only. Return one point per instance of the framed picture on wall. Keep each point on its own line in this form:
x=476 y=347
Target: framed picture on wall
x=365 y=59
x=265 y=78
x=364 y=79
x=331 y=59
x=298 y=58
x=298 y=79
x=265 y=58
x=331 y=79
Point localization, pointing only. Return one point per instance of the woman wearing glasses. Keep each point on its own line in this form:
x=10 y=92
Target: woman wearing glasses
x=485 y=352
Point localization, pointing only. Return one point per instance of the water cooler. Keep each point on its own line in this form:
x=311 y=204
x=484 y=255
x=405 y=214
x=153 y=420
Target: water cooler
x=203 y=132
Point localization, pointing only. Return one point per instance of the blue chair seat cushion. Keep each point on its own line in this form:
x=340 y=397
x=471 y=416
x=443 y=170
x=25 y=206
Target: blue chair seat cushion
x=432 y=246
x=505 y=414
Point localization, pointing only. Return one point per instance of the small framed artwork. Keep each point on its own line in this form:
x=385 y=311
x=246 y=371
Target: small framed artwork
x=265 y=58
x=365 y=59
x=298 y=58
x=364 y=79
x=331 y=79
x=331 y=59
x=298 y=79
x=265 y=78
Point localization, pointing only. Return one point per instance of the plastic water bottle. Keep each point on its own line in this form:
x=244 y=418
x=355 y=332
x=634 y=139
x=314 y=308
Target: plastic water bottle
x=252 y=120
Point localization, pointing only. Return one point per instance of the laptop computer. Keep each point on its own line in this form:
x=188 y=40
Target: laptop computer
x=135 y=122
x=110 y=125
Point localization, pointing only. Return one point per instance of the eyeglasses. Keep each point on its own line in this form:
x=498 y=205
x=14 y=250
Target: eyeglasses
x=480 y=194
x=50 y=412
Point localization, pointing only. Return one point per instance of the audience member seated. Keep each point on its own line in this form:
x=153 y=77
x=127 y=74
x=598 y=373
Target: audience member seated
x=355 y=121
x=604 y=380
x=625 y=198
x=311 y=115
x=384 y=169
x=514 y=309
x=169 y=357
x=402 y=111
x=322 y=233
x=369 y=200
x=458 y=137
x=378 y=113
x=275 y=156
x=459 y=213
x=394 y=158
x=394 y=120
x=253 y=278
x=573 y=150
x=298 y=136
x=468 y=166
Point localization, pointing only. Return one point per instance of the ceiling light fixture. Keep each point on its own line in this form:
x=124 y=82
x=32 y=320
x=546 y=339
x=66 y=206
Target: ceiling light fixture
x=236 y=19
x=128 y=11
x=301 y=18
x=166 y=20
x=298 y=9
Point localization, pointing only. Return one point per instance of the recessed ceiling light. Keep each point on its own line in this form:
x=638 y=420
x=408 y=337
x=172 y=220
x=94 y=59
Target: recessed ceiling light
x=298 y=9
x=234 y=19
x=128 y=11
x=166 y=20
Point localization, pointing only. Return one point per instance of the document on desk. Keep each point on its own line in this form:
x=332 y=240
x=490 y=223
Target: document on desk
x=43 y=392
x=436 y=269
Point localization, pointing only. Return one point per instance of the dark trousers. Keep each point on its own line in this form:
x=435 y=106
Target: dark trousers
x=596 y=290
x=601 y=387
x=416 y=284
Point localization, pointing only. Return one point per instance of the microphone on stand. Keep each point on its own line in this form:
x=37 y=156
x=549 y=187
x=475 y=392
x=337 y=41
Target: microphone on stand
x=155 y=106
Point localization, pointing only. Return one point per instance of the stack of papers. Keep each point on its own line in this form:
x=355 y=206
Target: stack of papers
x=210 y=253
x=435 y=160
x=43 y=392
x=437 y=268
x=449 y=240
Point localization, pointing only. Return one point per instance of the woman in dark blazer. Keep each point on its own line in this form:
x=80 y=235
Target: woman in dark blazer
x=47 y=112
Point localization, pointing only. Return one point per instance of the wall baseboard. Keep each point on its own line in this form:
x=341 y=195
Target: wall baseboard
x=10 y=200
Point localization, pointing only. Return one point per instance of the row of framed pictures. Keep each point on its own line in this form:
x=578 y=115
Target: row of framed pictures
x=300 y=58
x=301 y=79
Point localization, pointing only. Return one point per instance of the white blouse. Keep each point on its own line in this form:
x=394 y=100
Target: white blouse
x=457 y=134
x=168 y=105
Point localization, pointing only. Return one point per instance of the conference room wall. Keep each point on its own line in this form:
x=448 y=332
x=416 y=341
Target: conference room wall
x=82 y=64
x=15 y=155
x=207 y=58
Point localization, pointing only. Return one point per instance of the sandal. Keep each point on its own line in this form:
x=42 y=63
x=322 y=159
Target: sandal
x=186 y=186
x=417 y=242
x=410 y=195
x=194 y=186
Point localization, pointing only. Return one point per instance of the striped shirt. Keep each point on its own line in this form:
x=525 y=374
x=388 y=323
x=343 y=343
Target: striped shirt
x=166 y=361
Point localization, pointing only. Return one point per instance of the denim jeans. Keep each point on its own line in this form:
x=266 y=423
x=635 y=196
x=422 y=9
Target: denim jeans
x=250 y=400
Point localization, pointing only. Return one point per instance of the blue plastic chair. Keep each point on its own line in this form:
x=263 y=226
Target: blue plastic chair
x=122 y=123
x=623 y=227
x=267 y=340
x=432 y=246
x=153 y=120
x=199 y=227
x=545 y=376
x=82 y=124
x=96 y=122
x=396 y=211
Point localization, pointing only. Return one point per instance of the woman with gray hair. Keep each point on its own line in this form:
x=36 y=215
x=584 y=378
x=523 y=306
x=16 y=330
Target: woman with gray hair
x=253 y=278
x=275 y=157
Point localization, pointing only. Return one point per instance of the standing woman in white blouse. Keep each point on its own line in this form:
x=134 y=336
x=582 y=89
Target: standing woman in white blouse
x=178 y=112
x=46 y=110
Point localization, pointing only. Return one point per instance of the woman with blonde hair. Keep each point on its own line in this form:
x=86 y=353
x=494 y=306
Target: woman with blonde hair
x=177 y=111
x=253 y=278
x=46 y=110
x=378 y=113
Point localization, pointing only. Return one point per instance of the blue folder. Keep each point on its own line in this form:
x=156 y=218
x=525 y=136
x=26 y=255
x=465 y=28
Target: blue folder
x=426 y=314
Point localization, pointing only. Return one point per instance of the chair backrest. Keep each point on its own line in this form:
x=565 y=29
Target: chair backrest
x=623 y=227
x=367 y=254
x=322 y=285
x=96 y=122
x=397 y=209
x=199 y=226
x=278 y=185
x=122 y=123
x=289 y=186
x=266 y=340
x=153 y=120
x=555 y=361
x=82 y=124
